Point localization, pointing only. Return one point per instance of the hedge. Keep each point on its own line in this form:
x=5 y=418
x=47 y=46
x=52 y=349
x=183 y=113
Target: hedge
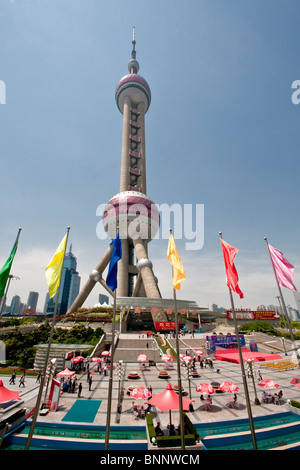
x=173 y=441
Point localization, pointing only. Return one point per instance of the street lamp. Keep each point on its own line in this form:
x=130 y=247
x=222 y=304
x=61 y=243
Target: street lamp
x=250 y=372
x=120 y=374
x=189 y=375
x=154 y=348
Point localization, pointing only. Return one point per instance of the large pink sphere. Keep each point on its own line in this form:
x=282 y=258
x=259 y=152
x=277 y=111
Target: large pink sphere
x=135 y=215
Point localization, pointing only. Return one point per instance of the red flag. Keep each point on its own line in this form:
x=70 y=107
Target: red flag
x=229 y=253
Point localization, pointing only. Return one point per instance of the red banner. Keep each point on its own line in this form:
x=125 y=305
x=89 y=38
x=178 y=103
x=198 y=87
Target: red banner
x=244 y=314
x=165 y=326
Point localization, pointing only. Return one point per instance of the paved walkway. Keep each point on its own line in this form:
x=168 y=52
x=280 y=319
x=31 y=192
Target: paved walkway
x=219 y=412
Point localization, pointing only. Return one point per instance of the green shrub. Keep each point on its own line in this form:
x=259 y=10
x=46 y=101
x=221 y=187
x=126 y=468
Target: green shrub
x=295 y=403
x=173 y=441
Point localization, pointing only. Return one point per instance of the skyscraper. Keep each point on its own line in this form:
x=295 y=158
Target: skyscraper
x=69 y=288
x=32 y=300
x=15 y=305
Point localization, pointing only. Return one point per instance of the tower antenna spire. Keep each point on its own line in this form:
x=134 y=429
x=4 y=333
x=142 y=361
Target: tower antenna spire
x=133 y=53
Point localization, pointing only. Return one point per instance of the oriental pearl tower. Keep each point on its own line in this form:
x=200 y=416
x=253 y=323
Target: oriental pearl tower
x=131 y=211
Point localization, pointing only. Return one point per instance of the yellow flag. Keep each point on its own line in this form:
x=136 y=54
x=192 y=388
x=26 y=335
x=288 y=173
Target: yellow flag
x=54 y=268
x=173 y=256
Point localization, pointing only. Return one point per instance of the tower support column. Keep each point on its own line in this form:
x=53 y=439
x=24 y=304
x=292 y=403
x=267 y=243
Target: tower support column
x=124 y=180
x=123 y=278
x=144 y=265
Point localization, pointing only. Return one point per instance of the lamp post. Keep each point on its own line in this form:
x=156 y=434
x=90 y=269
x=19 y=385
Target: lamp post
x=154 y=348
x=189 y=375
x=250 y=366
x=120 y=374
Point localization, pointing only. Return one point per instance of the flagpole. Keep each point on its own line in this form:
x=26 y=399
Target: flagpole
x=9 y=278
x=242 y=369
x=178 y=369
x=43 y=377
x=110 y=375
x=284 y=306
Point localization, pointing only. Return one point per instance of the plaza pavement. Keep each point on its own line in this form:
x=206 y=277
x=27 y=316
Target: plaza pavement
x=219 y=412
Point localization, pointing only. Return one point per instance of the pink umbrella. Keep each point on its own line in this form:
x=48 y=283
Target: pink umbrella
x=295 y=381
x=140 y=393
x=268 y=383
x=78 y=359
x=205 y=388
x=105 y=353
x=229 y=387
x=169 y=400
x=96 y=359
x=166 y=357
x=65 y=373
x=188 y=358
x=199 y=353
x=142 y=358
x=181 y=356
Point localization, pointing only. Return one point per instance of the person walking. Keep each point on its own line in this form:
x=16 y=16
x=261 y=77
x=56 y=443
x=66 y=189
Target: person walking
x=22 y=381
x=79 y=389
x=90 y=382
x=13 y=377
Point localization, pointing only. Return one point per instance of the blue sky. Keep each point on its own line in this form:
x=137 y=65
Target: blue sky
x=221 y=131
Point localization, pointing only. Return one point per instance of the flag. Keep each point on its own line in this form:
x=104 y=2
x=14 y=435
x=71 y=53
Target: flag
x=173 y=257
x=229 y=253
x=111 y=278
x=283 y=269
x=4 y=273
x=54 y=268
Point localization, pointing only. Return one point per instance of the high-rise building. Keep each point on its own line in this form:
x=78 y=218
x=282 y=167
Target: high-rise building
x=15 y=305
x=32 y=301
x=69 y=288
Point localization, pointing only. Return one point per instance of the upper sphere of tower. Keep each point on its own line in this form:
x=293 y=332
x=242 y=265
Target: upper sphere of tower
x=133 y=85
x=136 y=88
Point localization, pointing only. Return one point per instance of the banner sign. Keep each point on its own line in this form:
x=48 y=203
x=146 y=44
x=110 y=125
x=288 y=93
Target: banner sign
x=245 y=314
x=165 y=326
x=54 y=394
x=223 y=341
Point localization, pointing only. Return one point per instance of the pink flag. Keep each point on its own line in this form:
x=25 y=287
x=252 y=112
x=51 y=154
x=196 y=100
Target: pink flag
x=283 y=269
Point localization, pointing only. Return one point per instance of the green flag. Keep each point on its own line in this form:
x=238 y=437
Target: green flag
x=4 y=273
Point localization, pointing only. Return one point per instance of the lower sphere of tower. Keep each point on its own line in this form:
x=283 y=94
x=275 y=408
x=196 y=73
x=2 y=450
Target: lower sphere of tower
x=134 y=214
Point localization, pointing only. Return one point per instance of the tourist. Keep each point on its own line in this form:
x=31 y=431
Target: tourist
x=22 y=381
x=171 y=428
x=158 y=430
x=79 y=389
x=13 y=377
x=90 y=382
x=259 y=377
